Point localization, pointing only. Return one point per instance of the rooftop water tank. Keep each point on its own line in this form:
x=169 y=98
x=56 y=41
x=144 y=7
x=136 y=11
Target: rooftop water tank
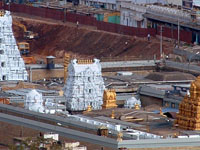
x=50 y=62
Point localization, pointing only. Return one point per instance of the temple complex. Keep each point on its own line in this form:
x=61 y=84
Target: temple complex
x=189 y=109
x=109 y=99
x=84 y=86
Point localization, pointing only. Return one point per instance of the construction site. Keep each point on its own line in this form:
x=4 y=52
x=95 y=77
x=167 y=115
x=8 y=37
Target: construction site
x=70 y=81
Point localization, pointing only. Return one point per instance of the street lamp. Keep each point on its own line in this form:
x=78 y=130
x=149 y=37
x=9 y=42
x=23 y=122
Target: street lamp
x=190 y=58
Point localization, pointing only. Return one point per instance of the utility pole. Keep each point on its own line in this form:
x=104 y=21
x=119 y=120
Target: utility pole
x=65 y=10
x=9 y=4
x=161 y=51
x=178 y=33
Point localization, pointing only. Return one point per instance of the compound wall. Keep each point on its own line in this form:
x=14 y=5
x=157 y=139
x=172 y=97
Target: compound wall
x=100 y=25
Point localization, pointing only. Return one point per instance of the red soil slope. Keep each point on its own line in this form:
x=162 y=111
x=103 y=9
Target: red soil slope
x=57 y=38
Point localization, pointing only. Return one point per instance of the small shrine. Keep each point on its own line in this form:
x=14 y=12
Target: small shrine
x=109 y=99
x=189 y=109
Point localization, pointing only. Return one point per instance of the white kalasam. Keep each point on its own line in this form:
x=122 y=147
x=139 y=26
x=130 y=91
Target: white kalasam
x=131 y=102
x=34 y=102
x=84 y=86
x=12 y=66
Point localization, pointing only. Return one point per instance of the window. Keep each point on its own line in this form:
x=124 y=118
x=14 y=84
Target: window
x=1 y=52
x=2 y=64
x=90 y=90
x=113 y=6
x=3 y=77
x=89 y=79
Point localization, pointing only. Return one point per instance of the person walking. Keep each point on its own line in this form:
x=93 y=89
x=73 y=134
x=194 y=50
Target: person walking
x=77 y=24
x=149 y=37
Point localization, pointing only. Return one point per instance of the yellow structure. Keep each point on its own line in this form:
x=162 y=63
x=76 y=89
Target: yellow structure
x=109 y=99
x=112 y=14
x=102 y=131
x=119 y=136
x=66 y=63
x=112 y=114
x=2 y=13
x=84 y=61
x=89 y=108
x=137 y=107
x=61 y=93
x=189 y=109
x=24 y=48
x=161 y=113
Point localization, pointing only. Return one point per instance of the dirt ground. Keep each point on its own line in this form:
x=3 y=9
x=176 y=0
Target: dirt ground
x=56 y=37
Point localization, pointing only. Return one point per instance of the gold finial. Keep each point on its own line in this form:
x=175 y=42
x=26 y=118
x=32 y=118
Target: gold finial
x=2 y=13
x=137 y=107
x=119 y=136
x=175 y=135
x=61 y=93
x=89 y=108
x=112 y=114
x=161 y=113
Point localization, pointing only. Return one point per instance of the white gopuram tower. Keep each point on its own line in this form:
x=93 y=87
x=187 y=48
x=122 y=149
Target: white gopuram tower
x=11 y=64
x=84 y=85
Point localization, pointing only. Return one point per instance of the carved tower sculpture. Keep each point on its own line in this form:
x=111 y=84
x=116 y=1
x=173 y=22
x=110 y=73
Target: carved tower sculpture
x=189 y=109
x=84 y=85
x=12 y=66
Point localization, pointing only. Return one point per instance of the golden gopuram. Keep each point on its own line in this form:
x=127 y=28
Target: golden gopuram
x=189 y=109
x=66 y=63
x=109 y=99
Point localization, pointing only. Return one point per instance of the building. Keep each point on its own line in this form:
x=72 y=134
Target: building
x=116 y=4
x=187 y=4
x=84 y=85
x=175 y=2
x=196 y=3
x=164 y=95
x=106 y=4
x=132 y=11
x=132 y=15
x=12 y=66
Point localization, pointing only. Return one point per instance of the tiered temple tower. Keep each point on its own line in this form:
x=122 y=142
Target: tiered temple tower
x=84 y=86
x=11 y=63
x=189 y=109
x=109 y=99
